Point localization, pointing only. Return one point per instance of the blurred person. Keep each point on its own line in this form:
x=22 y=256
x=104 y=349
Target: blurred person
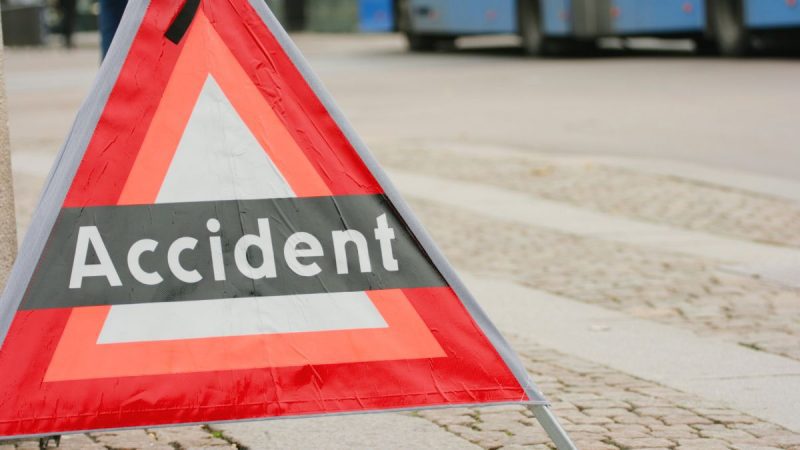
x=67 y=10
x=110 y=16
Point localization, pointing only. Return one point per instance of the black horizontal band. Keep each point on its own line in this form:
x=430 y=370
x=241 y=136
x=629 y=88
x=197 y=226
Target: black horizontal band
x=120 y=227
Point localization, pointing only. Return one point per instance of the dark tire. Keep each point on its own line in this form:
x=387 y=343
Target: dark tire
x=705 y=46
x=430 y=43
x=727 y=23
x=530 y=27
x=571 y=47
x=420 y=42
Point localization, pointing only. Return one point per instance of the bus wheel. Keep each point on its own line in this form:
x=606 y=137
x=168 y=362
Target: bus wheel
x=730 y=33
x=706 y=46
x=419 y=42
x=530 y=27
x=426 y=43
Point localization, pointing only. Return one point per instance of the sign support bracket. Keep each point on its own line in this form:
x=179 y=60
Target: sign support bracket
x=552 y=427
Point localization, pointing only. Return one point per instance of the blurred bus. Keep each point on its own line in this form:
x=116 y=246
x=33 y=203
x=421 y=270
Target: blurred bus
x=726 y=26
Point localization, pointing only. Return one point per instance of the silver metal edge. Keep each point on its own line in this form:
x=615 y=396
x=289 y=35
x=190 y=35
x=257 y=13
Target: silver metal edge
x=272 y=418
x=66 y=165
x=554 y=430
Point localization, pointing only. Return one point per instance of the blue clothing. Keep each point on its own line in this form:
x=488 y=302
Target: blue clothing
x=110 y=16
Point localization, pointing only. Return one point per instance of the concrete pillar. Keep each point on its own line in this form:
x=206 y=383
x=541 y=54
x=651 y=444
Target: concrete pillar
x=8 y=223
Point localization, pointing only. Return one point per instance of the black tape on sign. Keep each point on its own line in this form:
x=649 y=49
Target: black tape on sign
x=182 y=21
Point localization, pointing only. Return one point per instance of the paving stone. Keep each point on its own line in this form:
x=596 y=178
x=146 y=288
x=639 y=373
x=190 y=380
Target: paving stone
x=532 y=437
x=454 y=420
x=754 y=447
x=124 y=440
x=702 y=444
x=531 y=447
x=587 y=429
x=28 y=445
x=659 y=411
x=684 y=420
x=606 y=412
x=601 y=403
x=617 y=427
x=731 y=418
x=638 y=420
x=727 y=434
x=787 y=439
x=461 y=430
x=581 y=419
x=517 y=428
x=193 y=437
x=644 y=442
x=761 y=429
x=79 y=442
x=594 y=445
x=628 y=434
x=493 y=426
x=675 y=432
x=490 y=439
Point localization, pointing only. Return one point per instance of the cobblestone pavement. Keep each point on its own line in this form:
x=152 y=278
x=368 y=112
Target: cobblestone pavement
x=182 y=438
x=654 y=198
x=604 y=409
x=681 y=290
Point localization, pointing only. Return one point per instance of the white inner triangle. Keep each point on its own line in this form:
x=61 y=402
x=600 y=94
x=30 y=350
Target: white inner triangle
x=148 y=322
x=218 y=158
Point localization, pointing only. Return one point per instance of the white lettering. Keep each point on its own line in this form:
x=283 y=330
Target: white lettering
x=302 y=252
x=216 y=250
x=385 y=234
x=262 y=241
x=292 y=253
x=80 y=269
x=340 y=240
x=134 y=262
x=174 y=260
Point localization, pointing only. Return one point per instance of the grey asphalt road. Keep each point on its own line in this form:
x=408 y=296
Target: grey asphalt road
x=739 y=114
x=726 y=113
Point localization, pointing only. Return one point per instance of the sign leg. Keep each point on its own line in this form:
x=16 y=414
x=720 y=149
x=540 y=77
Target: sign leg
x=548 y=420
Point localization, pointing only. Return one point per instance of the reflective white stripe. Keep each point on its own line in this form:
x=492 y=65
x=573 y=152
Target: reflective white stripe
x=218 y=157
x=239 y=317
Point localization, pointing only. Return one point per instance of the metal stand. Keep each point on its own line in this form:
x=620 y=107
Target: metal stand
x=45 y=441
x=550 y=424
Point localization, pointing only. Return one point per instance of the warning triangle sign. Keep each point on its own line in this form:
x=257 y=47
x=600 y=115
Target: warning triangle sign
x=216 y=244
